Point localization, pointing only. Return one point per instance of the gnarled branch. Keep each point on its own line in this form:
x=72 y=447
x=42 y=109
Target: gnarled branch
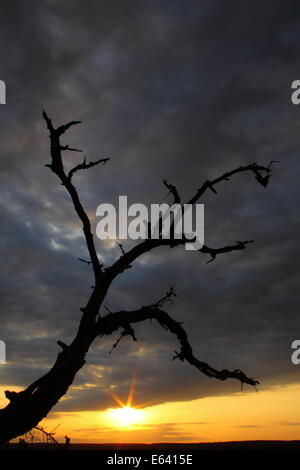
x=84 y=261
x=113 y=321
x=172 y=190
x=57 y=167
x=213 y=252
x=262 y=175
x=85 y=166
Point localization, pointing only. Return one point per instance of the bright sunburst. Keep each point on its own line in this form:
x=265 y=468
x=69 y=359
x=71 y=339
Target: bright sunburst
x=127 y=415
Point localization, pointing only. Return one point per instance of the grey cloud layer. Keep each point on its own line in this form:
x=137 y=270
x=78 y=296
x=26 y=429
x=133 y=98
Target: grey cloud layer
x=181 y=91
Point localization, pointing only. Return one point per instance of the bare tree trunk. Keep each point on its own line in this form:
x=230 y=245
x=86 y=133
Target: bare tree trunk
x=27 y=408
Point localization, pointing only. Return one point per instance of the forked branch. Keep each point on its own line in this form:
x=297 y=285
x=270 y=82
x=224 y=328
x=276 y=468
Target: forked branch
x=172 y=190
x=262 y=175
x=124 y=319
x=213 y=252
x=84 y=166
x=57 y=167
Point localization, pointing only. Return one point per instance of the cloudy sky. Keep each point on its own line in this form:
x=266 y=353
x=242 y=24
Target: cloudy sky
x=176 y=90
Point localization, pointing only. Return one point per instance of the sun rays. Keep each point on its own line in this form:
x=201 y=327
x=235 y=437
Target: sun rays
x=127 y=415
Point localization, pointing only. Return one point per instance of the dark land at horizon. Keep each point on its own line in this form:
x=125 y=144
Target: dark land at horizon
x=163 y=446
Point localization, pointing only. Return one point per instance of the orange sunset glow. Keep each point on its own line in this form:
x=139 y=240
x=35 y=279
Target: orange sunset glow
x=271 y=414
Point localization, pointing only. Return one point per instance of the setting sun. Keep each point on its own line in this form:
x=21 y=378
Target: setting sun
x=125 y=416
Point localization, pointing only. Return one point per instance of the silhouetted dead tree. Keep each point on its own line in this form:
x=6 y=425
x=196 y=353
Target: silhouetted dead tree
x=29 y=406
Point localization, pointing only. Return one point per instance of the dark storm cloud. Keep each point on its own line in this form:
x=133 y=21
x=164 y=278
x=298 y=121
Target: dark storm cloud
x=166 y=89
